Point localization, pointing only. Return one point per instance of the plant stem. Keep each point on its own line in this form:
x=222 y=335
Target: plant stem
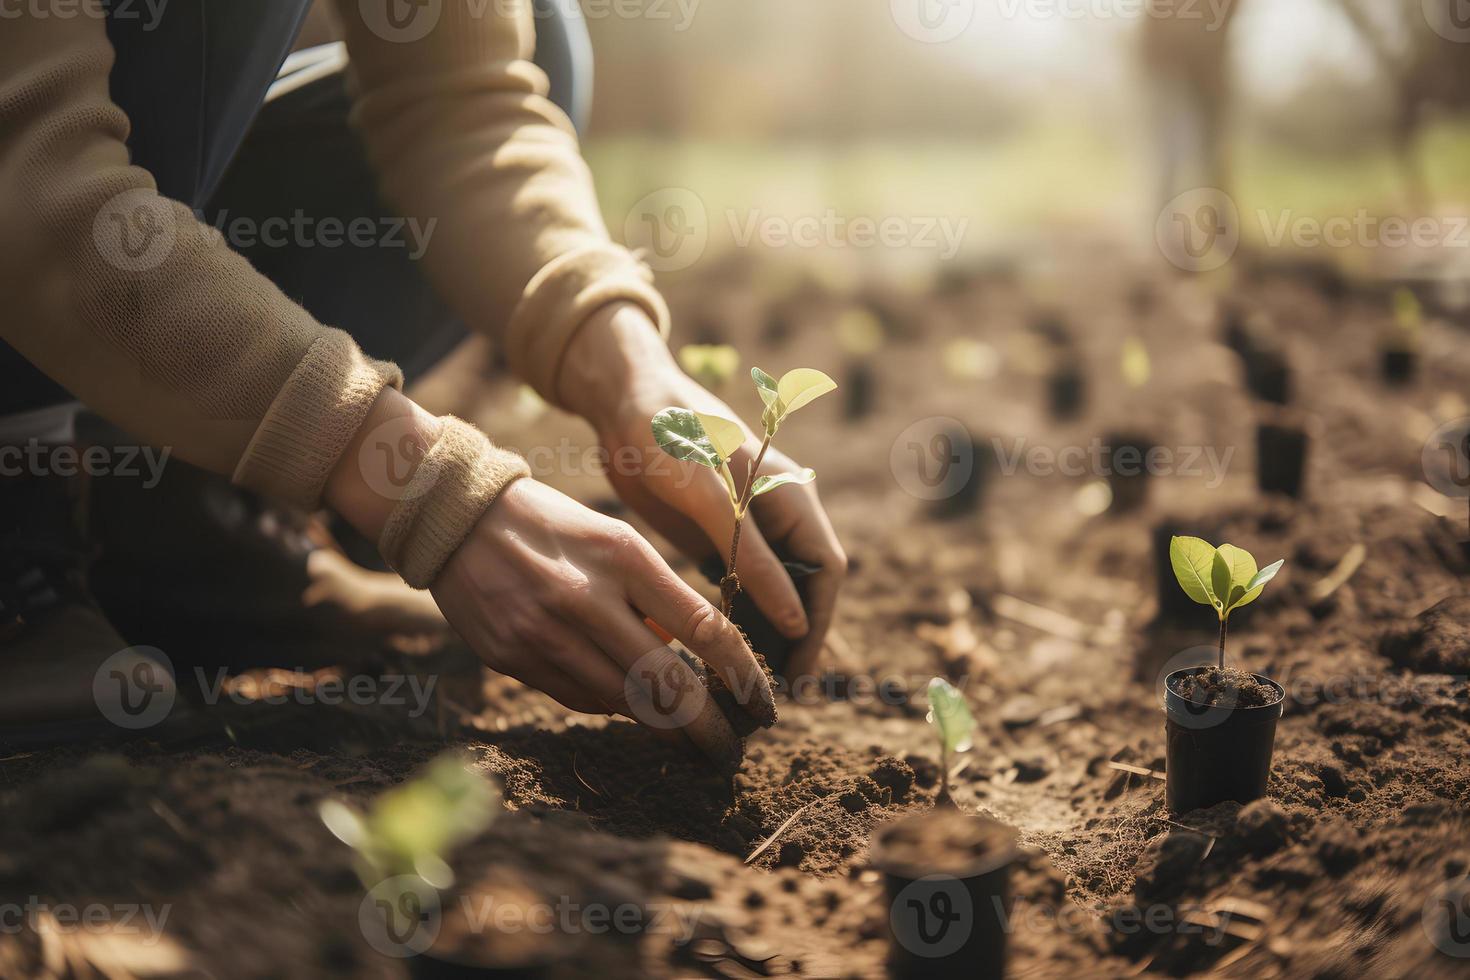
x=1223 y=623
x=730 y=584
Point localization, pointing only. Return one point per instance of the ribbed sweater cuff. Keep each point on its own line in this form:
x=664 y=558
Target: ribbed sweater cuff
x=560 y=299
x=313 y=418
x=458 y=478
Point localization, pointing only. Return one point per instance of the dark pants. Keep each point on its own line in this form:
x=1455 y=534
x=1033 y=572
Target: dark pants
x=193 y=86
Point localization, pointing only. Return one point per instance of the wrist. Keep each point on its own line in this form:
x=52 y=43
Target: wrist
x=370 y=476
x=609 y=356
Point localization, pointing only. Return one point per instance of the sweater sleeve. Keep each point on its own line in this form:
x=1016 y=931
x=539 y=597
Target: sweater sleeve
x=460 y=131
x=140 y=310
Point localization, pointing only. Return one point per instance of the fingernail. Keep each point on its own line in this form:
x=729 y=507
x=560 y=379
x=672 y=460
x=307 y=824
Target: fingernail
x=794 y=624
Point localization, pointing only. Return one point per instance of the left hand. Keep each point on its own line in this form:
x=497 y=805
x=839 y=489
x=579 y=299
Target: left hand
x=618 y=374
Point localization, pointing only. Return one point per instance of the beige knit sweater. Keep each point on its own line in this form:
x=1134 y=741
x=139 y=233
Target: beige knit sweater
x=155 y=323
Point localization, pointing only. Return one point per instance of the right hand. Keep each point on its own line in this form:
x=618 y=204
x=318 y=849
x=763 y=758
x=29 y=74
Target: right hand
x=555 y=595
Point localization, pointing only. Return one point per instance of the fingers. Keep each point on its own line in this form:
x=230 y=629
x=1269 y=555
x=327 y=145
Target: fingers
x=658 y=593
x=663 y=691
x=809 y=537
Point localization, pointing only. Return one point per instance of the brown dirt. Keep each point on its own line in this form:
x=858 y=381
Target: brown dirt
x=1045 y=615
x=1228 y=686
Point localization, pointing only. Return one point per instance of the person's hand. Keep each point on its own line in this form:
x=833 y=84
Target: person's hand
x=556 y=595
x=617 y=375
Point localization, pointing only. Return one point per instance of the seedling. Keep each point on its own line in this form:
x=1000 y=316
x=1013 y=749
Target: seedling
x=1223 y=578
x=951 y=718
x=712 y=441
x=710 y=364
x=410 y=829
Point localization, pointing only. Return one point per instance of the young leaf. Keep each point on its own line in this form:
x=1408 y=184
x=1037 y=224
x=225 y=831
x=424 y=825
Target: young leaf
x=724 y=435
x=950 y=716
x=765 y=484
x=1242 y=566
x=765 y=385
x=1220 y=581
x=1257 y=584
x=680 y=434
x=1193 y=560
x=711 y=363
x=801 y=387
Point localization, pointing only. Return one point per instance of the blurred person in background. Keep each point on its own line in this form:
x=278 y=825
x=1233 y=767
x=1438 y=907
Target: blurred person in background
x=282 y=368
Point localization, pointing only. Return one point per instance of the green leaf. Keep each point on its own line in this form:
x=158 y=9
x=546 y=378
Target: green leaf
x=1242 y=567
x=765 y=484
x=950 y=716
x=766 y=385
x=680 y=434
x=1136 y=366
x=801 y=387
x=1193 y=560
x=712 y=363
x=1257 y=584
x=1220 y=581
x=724 y=435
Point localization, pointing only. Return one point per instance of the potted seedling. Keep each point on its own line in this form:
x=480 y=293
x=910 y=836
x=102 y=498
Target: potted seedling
x=860 y=334
x=1220 y=722
x=1268 y=374
x=1399 y=350
x=946 y=873
x=1128 y=470
x=402 y=844
x=711 y=441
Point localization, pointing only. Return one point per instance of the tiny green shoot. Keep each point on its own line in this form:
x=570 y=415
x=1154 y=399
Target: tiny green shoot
x=1223 y=578
x=712 y=365
x=951 y=718
x=712 y=441
x=410 y=829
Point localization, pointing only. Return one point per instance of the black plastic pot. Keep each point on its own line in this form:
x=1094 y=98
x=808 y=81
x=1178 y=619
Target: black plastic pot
x=1268 y=375
x=1066 y=391
x=961 y=491
x=1128 y=476
x=428 y=966
x=1217 y=752
x=1398 y=366
x=947 y=879
x=1281 y=459
x=858 y=391
x=763 y=637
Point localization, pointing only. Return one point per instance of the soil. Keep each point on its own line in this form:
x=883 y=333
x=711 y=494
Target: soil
x=1043 y=609
x=1230 y=686
x=943 y=841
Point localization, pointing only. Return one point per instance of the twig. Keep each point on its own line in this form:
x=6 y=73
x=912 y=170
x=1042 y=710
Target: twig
x=1346 y=569
x=1040 y=618
x=779 y=831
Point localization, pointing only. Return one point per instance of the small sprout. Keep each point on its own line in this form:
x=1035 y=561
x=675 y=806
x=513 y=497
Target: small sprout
x=951 y=718
x=1137 y=369
x=710 y=364
x=970 y=360
x=1223 y=578
x=410 y=829
x=712 y=441
x=1408 y=312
